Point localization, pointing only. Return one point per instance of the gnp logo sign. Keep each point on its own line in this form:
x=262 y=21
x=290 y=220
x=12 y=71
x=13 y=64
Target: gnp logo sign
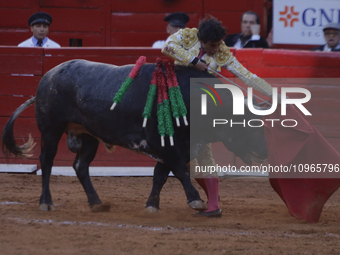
x=301 y=22
x=239 y=104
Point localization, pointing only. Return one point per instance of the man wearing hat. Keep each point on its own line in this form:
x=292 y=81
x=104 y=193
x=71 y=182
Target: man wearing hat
x=40 y=23
x=176 y=21
x=332 y=36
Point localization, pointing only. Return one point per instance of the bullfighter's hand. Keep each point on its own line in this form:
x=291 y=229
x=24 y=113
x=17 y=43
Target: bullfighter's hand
x=201 y=66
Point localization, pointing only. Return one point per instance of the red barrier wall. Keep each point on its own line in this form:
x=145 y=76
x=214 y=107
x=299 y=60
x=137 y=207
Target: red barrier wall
x=294 y=68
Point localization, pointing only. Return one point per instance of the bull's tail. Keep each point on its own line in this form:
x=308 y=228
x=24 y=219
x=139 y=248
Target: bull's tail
x=9 y=145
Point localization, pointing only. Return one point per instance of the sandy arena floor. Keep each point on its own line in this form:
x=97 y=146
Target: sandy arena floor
x=255 y=220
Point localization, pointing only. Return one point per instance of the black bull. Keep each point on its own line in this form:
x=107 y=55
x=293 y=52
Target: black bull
x=75 y=97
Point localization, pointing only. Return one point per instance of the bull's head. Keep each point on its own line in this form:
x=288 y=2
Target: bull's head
x=246 y=141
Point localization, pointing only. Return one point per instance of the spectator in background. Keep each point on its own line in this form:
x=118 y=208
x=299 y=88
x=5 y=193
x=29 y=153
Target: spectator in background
x=250 y=36
x=40 y=23
x=176 y=21
x=332 y=36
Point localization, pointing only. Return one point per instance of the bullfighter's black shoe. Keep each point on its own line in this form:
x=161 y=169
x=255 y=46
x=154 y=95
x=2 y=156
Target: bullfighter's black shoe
x=213 y=214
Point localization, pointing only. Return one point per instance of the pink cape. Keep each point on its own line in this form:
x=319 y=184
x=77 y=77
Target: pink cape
x=303 y=144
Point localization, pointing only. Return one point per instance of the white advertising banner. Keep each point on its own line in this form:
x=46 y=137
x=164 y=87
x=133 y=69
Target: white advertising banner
x=301 y=21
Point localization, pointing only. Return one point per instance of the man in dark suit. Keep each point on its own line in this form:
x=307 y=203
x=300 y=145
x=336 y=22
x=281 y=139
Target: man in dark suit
x=332 y=36
x=250 y=36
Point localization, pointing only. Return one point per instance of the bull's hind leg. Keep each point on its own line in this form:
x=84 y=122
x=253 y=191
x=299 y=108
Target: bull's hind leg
x=50 y=140
x=85 y=156
x=160 y=176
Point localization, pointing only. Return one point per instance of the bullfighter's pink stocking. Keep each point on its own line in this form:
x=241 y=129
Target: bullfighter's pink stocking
x=212 y=187
x=201 y=182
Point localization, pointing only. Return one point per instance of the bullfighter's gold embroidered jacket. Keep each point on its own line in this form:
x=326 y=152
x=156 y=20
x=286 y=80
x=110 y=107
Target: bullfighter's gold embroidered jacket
x=184 y=46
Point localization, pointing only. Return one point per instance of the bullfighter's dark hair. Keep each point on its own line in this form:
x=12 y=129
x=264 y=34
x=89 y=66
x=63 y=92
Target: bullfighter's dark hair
x=252 y=13
x=211 y=29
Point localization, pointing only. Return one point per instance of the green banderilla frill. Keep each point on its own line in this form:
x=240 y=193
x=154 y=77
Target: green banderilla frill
x=169 y=129
x=161 y=122
x=174 y=103
x=165 y=126
x=121 y=92
x=128 y=81
x=181 y=106
x=149 y=102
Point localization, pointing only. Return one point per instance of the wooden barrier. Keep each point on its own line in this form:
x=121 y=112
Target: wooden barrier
x=22 y=68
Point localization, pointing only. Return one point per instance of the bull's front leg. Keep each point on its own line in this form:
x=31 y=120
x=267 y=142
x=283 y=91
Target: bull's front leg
x=181 y=171
x=160 y=175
